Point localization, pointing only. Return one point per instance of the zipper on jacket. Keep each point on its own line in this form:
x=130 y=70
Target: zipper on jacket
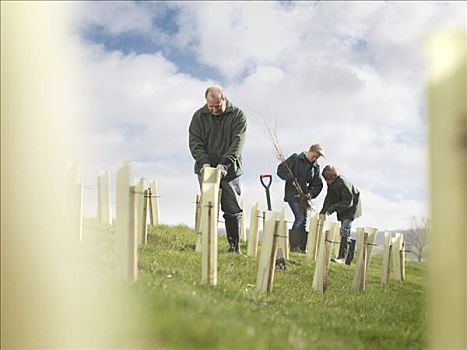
x=218 y=122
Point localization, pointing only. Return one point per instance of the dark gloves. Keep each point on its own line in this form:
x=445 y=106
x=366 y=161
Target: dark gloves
x=304 y=200
x=330 y=210
x=223 y=169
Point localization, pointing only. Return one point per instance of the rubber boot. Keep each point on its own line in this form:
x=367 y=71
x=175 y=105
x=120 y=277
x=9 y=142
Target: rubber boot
x=280 y=264
x=343 y=251
x=232 y=229
x=303 y=241
x=294 y=240
x=280 y=260
x=351 y=252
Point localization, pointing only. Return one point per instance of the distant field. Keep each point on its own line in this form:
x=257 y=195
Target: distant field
x=177 y=312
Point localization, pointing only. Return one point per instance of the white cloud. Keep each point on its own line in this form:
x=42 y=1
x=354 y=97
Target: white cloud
x=235 y=37
x=265 y=75
x=347 y=75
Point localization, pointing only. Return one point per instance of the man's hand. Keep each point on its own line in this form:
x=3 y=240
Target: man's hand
x=304 y=200
x=204 y=167
x=223 y=169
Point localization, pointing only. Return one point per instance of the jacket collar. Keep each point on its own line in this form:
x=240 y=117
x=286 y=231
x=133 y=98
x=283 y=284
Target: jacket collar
x=228 y=109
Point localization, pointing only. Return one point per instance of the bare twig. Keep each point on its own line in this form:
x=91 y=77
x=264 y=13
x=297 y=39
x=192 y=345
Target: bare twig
x=272 y=136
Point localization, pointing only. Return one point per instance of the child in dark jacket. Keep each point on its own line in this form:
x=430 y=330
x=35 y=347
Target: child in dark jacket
x=343 y=198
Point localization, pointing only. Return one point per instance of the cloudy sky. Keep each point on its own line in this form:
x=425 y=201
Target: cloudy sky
x=348 y=75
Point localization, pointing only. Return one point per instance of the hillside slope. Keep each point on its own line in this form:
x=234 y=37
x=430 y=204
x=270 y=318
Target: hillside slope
x=178 y=312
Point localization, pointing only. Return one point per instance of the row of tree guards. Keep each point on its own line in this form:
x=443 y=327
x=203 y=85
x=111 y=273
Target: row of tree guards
x=323 y=242
x=137 y=208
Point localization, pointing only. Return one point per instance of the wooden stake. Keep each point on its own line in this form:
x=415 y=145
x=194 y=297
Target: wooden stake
x=285 y=233
x=219 y=203
x=327 y=257
x=197 y=212
x=396 y=259
x=144 y=221
x=210 y=276
x=198 y=232
x=386 y=258
x=365 y=261
x=151 y=213
x=139 y=202
x=133 y=236
x=272 y=261
x=402 y=263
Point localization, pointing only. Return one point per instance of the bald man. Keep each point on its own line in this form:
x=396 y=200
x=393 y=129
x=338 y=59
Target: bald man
x=216 y=138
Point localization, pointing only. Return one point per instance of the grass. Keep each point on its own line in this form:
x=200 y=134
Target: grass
x=178 y=312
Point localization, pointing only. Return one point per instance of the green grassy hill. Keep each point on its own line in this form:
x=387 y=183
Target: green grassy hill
x=178 y=312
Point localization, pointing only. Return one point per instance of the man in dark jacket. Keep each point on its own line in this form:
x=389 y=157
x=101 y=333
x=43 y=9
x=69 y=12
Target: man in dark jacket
x=216 y=138
x=302 y=182
x=343 y=198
